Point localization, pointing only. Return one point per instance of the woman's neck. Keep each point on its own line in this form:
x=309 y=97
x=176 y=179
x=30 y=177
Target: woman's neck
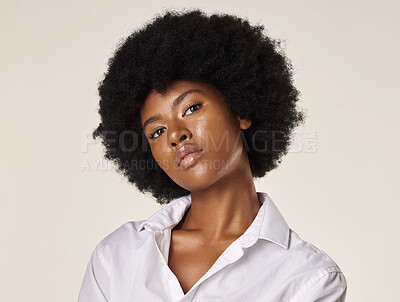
x=224 y=211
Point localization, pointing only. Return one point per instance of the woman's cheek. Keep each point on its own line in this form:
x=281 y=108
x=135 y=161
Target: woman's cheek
x=165 y=162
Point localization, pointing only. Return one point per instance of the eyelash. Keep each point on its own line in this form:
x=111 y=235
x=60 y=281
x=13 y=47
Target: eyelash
x=199 y=104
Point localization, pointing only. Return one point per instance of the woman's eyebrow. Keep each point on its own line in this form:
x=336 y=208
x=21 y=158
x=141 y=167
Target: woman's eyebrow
x=175 y=103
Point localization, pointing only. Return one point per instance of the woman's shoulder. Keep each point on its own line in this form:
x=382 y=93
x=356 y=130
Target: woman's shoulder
x=137 y=236
x=125 y=237
x=310 y=254
x=315 y=270
x=128 y=230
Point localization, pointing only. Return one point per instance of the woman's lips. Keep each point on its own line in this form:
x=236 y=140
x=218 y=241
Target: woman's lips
x=190 y=159
x=185 y=150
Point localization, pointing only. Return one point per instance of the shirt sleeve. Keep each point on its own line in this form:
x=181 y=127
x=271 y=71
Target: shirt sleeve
x=96 y=282
x=329 y=285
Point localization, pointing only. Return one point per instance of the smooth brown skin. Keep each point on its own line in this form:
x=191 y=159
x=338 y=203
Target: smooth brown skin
x=224 y=198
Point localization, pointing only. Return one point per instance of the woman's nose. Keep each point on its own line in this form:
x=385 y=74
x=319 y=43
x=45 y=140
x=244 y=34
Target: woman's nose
x=178 y=135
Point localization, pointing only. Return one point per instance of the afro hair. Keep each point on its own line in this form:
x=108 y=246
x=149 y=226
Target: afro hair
x=248 y=68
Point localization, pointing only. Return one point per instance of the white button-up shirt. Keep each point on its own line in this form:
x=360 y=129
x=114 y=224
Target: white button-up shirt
x=268 y=262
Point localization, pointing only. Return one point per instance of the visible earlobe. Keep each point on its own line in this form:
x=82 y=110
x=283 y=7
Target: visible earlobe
x=244 y=124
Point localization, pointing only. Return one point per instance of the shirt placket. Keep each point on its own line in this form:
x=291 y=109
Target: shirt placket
x=233 y=253
x=160 y=240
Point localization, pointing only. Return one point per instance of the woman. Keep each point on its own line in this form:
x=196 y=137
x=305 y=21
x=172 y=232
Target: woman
x=193 y=108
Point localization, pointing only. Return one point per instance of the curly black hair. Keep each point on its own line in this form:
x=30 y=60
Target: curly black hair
x=248 y=68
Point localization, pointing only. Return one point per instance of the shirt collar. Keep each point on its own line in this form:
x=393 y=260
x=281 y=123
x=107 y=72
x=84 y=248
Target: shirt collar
x=268 y=224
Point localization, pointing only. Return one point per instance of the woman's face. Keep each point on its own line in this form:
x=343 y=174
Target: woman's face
x=195 y=114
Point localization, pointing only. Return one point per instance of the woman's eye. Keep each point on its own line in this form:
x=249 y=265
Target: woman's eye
x=153 y=135
x=194 y=106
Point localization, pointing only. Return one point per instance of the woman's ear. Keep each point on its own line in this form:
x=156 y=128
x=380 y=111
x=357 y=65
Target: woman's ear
x=244 y=124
